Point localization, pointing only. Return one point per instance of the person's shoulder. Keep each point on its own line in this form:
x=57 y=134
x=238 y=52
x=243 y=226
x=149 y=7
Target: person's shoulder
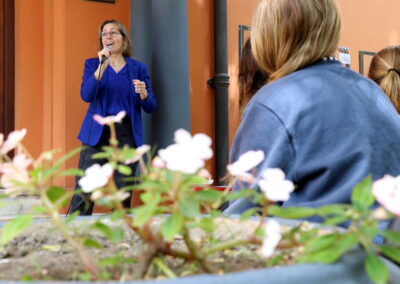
x=92 y=61
x=136 y=63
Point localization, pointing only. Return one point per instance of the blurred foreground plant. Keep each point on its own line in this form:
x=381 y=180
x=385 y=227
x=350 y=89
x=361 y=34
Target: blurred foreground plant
x=169 y=189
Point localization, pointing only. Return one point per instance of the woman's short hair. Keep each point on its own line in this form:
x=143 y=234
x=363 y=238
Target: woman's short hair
x=290 y=34
x=385 y=71
x=251 y=78
x=127 y=45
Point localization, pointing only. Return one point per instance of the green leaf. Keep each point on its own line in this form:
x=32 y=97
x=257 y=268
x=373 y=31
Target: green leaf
x=369 y=231
x=291 y=212
x=104 y=229
x=14 y=228
x=117 y=215
x=146 y=197
x=333 y=209
x=321 y=242
x=207 y=225
x=143 y=214
x=125 y=170
x=72 y=172
x=215 y=213
x=361 y=196
x=117 y=234
x=346 y=242
x=328 y=255
x=208 y=195
x=248 y=213
x=71 y=217
x=68 y=156
x=376 y=269
x=92 y=243
x=391 y=252
x=55 y=193
x=189 y=207
x=392 y=237
x=243 y=193
x=332 y=221
x=101 y=155
x=171 y=226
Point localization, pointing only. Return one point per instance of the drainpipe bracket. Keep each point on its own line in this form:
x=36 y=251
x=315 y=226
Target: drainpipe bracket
x=219 y=80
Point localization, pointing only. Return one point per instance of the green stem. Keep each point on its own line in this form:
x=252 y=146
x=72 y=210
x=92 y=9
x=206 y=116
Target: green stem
x=80 y=250
x=230 y=244
x=196 y=252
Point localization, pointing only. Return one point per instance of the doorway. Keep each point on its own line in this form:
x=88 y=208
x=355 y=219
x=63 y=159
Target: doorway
x=7 y=66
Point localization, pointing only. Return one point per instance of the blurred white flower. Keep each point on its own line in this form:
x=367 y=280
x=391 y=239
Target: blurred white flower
x=139 y=152
x=95 y=177
x=387 y=192
x=246 y=162
x=109 y=119
x=275 y=186
x=13 y=140
x=1 y=139
x=96 y=194
x=271 y=238
x=15 y=174
x=188 y=154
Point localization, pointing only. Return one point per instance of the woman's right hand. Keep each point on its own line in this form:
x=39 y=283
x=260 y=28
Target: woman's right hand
x=106 y=52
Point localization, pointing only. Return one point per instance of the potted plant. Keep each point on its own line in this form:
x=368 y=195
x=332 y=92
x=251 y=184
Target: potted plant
x=170 y=236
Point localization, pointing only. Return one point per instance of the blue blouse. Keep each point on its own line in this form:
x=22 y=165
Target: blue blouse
x=117 y=90
x=104 y=103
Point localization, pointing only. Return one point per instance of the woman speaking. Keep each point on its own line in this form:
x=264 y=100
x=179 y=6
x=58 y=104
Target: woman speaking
x=112 y=82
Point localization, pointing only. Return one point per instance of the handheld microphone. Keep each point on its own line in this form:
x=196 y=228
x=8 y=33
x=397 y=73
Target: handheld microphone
x=103 y=57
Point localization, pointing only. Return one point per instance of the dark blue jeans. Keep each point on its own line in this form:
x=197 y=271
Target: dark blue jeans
x=81 y=202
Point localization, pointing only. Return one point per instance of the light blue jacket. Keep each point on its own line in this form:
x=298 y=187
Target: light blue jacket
x=326 y=127
x=136 y=70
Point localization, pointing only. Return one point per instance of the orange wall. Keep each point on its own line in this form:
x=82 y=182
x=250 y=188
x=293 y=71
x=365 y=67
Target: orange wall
x=369 y=25
x=53 y=37
x=201 y=66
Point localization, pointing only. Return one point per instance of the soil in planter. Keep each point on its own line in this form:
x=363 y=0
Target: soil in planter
x=41 y=253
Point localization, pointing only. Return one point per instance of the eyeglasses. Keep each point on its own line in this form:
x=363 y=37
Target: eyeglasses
x=112 y=34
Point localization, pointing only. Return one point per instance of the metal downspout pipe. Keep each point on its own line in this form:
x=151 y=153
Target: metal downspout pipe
x=220 y=82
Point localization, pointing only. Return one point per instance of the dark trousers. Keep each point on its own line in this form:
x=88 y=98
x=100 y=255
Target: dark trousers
x=80 y=201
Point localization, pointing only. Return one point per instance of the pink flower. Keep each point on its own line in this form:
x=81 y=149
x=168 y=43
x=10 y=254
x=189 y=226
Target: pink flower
x=387 y=192
x=271 y=238
x=158 y=163
x=246 y=162
x=188 y=154
x=109 y=119
x=1 y=139
x=204 y=173
x=13 y=139
x=139 y=152
x=275 y=186
x=15 y=174
x=95 y=177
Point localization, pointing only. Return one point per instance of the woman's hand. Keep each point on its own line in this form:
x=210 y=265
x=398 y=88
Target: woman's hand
x=140 y=88
x=105 y=52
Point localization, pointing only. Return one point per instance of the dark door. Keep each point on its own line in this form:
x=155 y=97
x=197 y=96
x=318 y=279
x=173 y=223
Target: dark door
x=7 y=66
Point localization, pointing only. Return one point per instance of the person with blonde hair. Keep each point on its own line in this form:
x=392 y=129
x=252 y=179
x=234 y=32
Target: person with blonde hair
x=385 y=71
x=324 y=125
